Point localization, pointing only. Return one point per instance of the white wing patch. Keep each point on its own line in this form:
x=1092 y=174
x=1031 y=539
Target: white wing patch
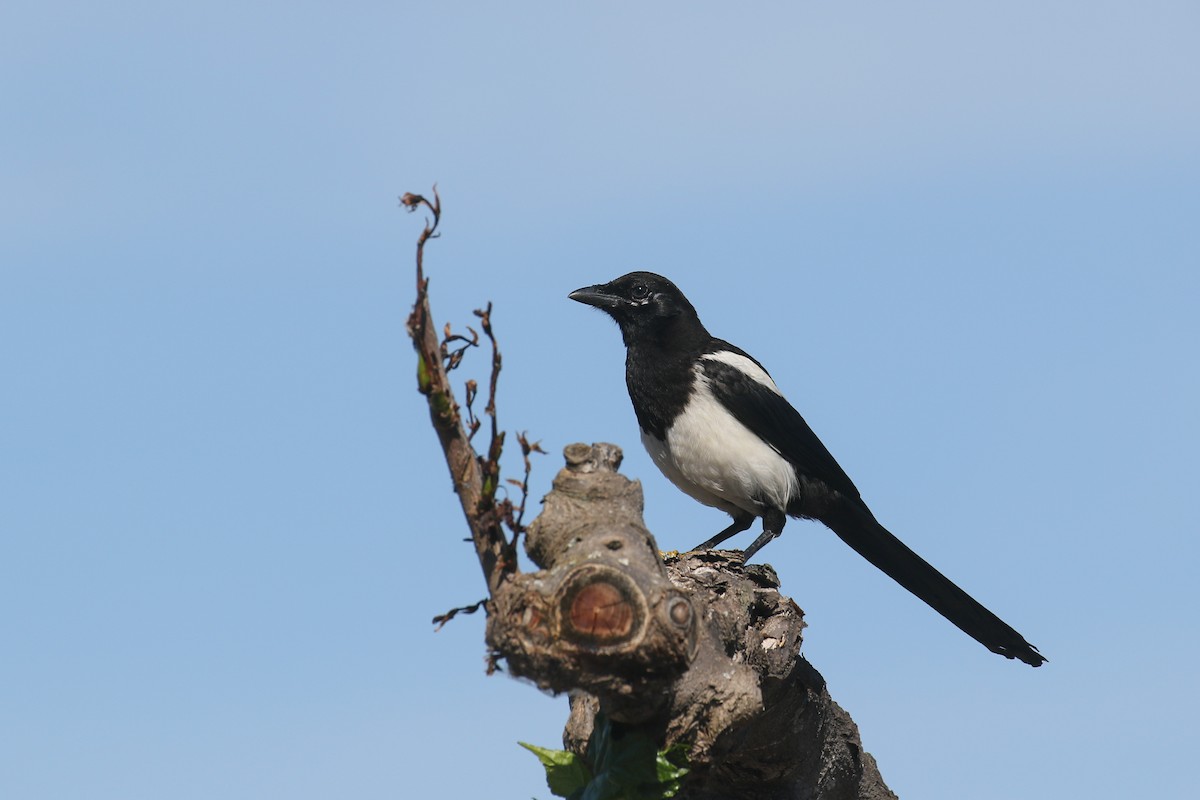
x=745 y=365
x=718 y=461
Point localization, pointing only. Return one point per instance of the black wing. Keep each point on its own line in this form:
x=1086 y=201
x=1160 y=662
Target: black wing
x=773 y=420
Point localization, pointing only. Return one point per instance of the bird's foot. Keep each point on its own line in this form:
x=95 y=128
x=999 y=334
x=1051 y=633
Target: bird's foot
x=759 y=543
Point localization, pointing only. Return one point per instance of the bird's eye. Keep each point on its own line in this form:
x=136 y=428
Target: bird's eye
x=639 y=291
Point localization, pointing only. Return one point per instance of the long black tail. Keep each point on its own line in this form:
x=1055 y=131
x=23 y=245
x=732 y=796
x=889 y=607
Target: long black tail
x=857 y=527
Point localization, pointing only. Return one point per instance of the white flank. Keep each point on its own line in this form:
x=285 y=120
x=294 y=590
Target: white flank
x=718 y=461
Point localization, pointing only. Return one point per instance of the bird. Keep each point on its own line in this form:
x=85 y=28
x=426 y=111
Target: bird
x=718 y=427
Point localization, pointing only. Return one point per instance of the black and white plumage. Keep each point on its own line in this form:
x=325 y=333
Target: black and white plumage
x=718 y=427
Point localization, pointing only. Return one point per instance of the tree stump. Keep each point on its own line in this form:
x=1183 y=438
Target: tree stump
x=700 y=650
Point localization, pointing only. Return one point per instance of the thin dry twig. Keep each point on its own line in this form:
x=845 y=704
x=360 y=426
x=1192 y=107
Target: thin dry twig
x=496 y=446
x=441 y=619
x=473 y=422
x=419 y=319
x=527 y=447
x=451 y=358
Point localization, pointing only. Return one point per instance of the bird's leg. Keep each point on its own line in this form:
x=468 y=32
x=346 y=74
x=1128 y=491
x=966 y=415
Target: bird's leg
x=773 y=521
x=741 y=522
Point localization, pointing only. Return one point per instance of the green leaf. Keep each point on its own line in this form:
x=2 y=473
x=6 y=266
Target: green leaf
x=621 y=764
x=672 y=767
x=566 y=773
x=628 y=766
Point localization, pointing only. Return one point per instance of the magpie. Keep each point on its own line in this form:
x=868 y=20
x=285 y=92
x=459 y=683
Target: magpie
x=718 y=427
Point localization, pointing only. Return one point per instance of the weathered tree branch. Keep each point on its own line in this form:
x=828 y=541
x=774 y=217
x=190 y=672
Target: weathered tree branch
x=475 y=479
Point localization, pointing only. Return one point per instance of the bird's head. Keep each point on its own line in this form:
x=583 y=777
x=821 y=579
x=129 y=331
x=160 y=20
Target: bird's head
x=642 y=303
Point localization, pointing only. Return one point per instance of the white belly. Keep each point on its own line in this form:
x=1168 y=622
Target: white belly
x=715 y=459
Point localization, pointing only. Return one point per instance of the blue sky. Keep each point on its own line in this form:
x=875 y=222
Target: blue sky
x=962 y=239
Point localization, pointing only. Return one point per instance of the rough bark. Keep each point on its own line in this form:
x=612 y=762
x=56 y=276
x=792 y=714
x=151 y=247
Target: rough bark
x=701 y=650
x=602 y=615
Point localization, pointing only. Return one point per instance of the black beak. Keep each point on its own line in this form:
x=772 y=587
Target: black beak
x=596 y=296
